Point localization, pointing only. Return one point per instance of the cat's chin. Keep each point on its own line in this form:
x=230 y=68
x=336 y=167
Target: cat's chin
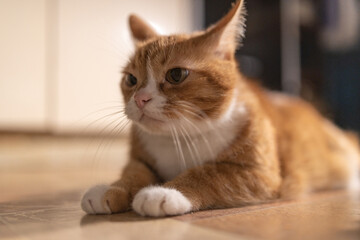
x=153 y=126
x=147 y=120
x=154 y=129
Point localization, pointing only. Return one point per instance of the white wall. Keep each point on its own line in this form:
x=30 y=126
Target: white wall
x=22 y=65
x=79 y=48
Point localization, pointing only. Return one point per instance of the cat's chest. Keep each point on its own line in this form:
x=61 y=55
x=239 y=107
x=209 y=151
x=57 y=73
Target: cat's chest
x=175 y=155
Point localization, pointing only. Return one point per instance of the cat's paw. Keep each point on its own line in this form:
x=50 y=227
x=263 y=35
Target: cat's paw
x=104 y=199
x=160 y=201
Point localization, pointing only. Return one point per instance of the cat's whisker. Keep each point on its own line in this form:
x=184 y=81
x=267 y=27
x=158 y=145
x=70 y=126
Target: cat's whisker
x=193 y=110
x=119 y=106
x=175 y=142
x=189 y=140
x=187 y=145
x=115 y=132
x=106 y=109
x=202 y=117
x=192 y=125
x=120 y=125
x=92 y=123
x=102 y=135
x=105 y=142
x=99 y=136
x=106 y=117
x=210 y=125
x=122 y=128
x=180 y=148
x=196 y=111
x=196 y=128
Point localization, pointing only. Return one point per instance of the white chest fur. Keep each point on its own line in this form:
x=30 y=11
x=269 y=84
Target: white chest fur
x=171 y=161
x=202 y=148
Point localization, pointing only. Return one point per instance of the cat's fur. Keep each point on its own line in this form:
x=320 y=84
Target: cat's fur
x=217 y=139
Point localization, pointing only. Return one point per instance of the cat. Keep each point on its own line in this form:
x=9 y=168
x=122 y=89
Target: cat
x=204 y=136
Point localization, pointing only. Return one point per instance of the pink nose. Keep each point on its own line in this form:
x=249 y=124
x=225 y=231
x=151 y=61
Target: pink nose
x=141 y=98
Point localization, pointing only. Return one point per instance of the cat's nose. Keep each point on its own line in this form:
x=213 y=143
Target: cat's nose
x=141 y=99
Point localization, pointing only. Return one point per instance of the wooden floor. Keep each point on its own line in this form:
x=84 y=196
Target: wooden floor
x=42 y=179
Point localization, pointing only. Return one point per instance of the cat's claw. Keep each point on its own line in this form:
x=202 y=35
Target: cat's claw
x=160 y=201
x=92 y=201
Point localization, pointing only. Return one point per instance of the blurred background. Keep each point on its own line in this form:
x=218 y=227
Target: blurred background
x=309 y=48
x=60 y=64
x=60 y=60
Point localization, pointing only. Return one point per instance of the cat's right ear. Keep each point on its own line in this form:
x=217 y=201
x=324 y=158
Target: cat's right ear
x=140 y=30
x=226 y=35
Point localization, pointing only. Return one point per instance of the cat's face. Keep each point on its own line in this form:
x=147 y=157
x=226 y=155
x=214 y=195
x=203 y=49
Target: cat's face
x=167 y=84
x=178 y=82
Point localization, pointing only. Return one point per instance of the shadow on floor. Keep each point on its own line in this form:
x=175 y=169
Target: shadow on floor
x=129 y=216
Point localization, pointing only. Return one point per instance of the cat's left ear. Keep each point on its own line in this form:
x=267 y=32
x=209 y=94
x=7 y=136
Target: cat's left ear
x=226 y=35
x=140 y=30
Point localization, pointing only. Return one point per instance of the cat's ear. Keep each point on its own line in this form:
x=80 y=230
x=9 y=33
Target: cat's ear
x=140 y=30
x=226 y=35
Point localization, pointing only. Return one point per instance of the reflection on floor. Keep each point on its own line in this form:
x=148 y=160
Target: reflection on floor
x=42 y=179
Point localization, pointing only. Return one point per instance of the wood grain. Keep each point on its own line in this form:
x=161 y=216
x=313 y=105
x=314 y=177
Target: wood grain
x=42 y=179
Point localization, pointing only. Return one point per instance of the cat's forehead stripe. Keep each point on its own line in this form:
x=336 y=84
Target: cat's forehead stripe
x=157 y=50
x=151 y=82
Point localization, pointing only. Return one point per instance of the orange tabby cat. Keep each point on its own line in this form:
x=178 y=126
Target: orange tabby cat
x=204 y=136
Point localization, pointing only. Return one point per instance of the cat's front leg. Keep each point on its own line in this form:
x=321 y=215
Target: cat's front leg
x=215 y=185
x=115 y=198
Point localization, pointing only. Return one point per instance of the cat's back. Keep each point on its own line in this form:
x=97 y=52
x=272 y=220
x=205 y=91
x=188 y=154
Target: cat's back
x=310 y=146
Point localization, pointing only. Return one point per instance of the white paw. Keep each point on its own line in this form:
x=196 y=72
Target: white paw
x=92 y=201
x=160 y=201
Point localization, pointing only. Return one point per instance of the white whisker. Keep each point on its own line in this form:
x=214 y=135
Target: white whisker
x=192 y=148
x=180 y=147
x=203 y=118
x=196 y=128
x=175 y=143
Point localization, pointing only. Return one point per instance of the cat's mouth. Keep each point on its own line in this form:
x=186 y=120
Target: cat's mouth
x=144 y=119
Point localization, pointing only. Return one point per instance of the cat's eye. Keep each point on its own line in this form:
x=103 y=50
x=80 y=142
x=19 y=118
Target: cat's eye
x=176 y=75
x=130 y=80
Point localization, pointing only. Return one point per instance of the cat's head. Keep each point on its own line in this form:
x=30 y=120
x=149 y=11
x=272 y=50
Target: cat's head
x=179 y=81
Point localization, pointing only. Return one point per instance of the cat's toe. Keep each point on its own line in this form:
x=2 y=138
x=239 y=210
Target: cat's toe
x=104 y=199
x=92 y=201
x=160 y=201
